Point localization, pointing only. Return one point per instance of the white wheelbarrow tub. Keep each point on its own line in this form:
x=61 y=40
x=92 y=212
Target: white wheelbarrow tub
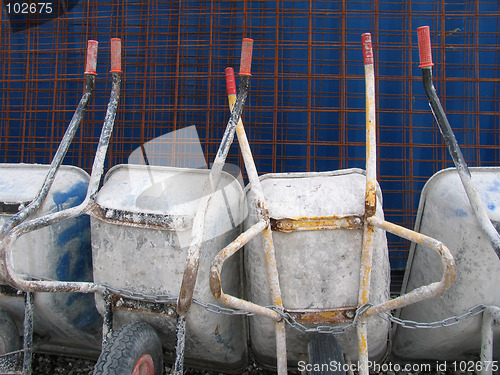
x=320 y=269
x=445 y=214
x=58 y=252
x=151 y=261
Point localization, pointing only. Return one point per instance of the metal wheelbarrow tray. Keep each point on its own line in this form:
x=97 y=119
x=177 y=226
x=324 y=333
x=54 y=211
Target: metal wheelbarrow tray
x=285 y=296
x=141 y=230
x=460 y=207
x=319 y=268
x=445 y=213
x=59 y=252
x=155 y=231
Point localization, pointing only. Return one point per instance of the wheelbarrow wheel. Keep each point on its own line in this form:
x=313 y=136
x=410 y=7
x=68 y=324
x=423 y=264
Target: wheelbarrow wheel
x=134 y=349
x=325 y=355
x=10 y=341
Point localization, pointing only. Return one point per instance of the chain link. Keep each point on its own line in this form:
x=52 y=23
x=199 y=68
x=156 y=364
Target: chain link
x=292 y=322
x=138 y=296
x=451 y=321
x=221 y=310
x=332 y=330
x=165 y=299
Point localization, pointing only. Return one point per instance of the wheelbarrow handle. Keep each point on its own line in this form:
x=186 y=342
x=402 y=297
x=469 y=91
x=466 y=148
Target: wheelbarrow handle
x=91 y=64
x=449 y=137
x=424 y=44
x=263 y=222
x=437 y=110
x=371 y=131
x=424 y=47
x=73 y=126
x=230 y=82
x=246 y=57
x=7 y=270
x=116 y=55
x=194 y=252
x=109 y=119
x=366 y=40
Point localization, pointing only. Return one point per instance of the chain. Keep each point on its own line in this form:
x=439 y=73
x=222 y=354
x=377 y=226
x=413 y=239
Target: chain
x=332 y=330
x=290 y=320
x=165 y=299
x=473 y=311
x=221 y=310
x=138 y=296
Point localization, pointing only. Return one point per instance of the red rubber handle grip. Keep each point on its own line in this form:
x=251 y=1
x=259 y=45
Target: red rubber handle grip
x=366 y=40
x=91 y=63
x=424 y=47
x=230 y=82
x=246 y=57
x=116 y=55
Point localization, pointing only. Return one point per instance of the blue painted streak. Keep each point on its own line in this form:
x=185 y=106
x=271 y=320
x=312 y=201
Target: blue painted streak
x=75 y=261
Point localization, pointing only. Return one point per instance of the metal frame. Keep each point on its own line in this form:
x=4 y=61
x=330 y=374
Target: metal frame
x=491 y=314
x=194 y=251
x=73 y=126
x=264 y=226
x=35 y=204
x=369 y=223
x=491 y=318
x=88 y=206
x=424 y=44
x=16 y=227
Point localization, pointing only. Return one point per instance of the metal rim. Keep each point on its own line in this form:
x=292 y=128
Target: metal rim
x=144 y=366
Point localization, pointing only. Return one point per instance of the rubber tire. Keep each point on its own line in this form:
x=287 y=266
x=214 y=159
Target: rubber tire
x=325 y=350
x=126 y=346
x=10 y=341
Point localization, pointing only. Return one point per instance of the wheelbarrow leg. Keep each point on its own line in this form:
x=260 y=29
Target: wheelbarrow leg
x=28 y=334
x=179 y=348
x=107 y=324
x=325 y=349
x=491 y=317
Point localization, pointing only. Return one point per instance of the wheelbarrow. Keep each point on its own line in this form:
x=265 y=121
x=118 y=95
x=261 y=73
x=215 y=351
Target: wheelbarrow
x=461 y=207
x=51 y=251
x=155 y=231
x=316 y=260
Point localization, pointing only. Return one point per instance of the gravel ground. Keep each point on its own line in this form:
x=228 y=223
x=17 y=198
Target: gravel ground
x=56 y=365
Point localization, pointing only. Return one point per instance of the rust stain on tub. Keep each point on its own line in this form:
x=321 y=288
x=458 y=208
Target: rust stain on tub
x=316 y=223
x=325 y=316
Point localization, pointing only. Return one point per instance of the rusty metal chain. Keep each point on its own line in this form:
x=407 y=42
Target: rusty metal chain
x=292 y=322
x=452 y=320
x=332 y=330
x=165 y=299
x=216 y=309
x=221 y=310
x=138 y=296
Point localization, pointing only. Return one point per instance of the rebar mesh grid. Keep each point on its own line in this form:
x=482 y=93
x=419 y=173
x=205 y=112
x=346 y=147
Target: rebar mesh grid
x=306 y=106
